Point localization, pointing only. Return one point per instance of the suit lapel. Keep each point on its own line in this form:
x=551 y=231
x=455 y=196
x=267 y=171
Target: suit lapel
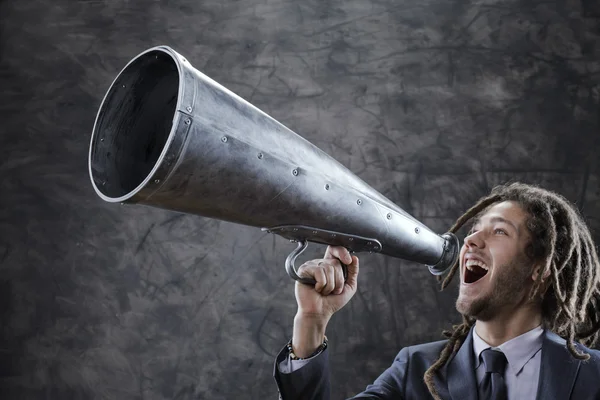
x=461 y=372
x=558 y=369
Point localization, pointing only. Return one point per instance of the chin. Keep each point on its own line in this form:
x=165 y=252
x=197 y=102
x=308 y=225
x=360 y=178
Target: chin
x=477 y=308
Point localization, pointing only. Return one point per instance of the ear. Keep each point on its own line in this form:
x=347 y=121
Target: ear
x=536 y=272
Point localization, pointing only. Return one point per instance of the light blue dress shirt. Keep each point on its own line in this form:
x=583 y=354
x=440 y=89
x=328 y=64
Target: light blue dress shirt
x=524 y=354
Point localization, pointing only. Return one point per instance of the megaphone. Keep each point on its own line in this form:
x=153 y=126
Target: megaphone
x=168 y=136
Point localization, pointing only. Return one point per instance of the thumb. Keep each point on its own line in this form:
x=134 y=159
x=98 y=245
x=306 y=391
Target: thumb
x=353 y=267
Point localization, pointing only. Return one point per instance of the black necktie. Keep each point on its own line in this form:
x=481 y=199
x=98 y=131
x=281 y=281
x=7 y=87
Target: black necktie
x=492 y=385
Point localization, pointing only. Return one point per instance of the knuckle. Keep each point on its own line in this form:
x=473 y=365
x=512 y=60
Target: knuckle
x=323 y=276
x=303 y=267
x=305 y=271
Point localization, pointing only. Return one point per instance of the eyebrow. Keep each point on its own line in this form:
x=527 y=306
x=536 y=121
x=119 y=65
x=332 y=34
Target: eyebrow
x=497 y=219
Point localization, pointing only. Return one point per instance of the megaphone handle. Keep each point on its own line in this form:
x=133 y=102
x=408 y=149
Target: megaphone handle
x=291 y=269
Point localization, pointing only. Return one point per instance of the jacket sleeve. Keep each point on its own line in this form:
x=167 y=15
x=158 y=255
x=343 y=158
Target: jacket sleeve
x=391 y=384
x=311 y=381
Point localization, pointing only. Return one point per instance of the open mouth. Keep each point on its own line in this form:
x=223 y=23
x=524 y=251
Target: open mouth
x=474 y=270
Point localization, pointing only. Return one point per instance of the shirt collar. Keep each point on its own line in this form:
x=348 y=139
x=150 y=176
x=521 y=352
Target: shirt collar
x=518 y=350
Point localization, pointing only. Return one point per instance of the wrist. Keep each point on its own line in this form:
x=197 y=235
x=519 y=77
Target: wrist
x=319 y=349
x=309 y=333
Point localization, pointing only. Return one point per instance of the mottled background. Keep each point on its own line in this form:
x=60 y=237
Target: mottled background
x=430 y=102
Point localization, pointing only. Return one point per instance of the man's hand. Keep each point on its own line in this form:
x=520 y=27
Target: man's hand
x=317 y=304
x=330 y=293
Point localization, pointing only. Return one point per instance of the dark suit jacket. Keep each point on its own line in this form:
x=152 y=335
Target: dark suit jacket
x=562 y=377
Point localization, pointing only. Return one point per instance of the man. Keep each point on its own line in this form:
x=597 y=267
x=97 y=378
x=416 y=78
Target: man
x=529 y=293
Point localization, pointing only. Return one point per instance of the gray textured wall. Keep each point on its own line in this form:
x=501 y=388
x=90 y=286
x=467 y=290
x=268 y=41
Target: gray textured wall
x=432 y=103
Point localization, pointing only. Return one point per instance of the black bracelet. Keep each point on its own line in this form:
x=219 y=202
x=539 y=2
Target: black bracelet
x=317 y=351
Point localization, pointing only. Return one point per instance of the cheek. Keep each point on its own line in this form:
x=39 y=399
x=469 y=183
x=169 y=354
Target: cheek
x=506 y=263
x=463 y=250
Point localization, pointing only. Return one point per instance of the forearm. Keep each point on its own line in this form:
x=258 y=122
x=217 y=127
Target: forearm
x=308 y=333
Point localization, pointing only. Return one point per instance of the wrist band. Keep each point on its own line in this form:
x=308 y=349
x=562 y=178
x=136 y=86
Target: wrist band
x=319 y=349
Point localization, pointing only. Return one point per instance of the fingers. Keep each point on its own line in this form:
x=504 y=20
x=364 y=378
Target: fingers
x=339 y=280
x=327 y=273
x=330 y=273
x=339 y=252
x=353 y=268
x=320 y=276
x=316 y=270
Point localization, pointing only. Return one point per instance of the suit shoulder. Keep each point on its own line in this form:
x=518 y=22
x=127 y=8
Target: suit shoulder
x=589 y=369
x=421 y=356
x=424 y=351
x=594 y=355
x=592 y=363
x=426 y=348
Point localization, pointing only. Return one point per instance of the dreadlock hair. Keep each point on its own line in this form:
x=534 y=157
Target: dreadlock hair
x=560 y=239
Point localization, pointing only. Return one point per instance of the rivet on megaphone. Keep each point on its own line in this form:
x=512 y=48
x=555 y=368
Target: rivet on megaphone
x=156 y=180
x=295 y=229
x=260 y=156
x=189 y=109
x=417 y=230
x=224 y=139
x=333 y=235
x=102 y=139
x=389 y=216
x=359 y=202
x=327 y=186
x=187 y=121
x=295 y=172
x=351 y=239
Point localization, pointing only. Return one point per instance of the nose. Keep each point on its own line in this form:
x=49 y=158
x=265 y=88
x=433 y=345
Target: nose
x=475 y=240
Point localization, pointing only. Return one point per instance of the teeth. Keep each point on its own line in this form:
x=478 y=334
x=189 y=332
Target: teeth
x=470 y=263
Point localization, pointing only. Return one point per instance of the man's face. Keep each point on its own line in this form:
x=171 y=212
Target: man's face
x=495 y=274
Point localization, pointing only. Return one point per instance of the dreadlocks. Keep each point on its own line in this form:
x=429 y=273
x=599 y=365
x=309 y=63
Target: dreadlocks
x=561 y=238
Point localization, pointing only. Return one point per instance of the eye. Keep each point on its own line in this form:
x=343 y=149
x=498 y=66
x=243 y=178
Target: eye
x=500 y=231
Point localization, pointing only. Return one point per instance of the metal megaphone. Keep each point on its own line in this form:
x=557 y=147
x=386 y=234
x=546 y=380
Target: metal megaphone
x=168 y=136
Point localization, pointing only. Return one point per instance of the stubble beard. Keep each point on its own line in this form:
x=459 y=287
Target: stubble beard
x=511 y=288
